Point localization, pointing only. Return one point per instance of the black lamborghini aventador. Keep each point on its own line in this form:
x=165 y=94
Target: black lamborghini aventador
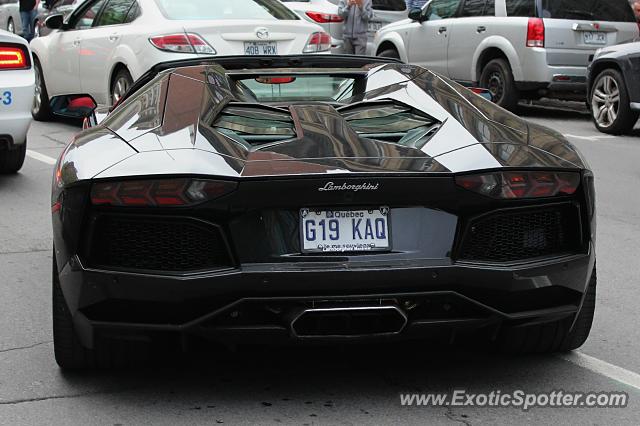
x=317 y=198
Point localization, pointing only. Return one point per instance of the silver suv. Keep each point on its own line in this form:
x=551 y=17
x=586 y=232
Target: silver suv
x=515 y=48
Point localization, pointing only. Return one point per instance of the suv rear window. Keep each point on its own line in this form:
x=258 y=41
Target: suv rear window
x=526 y=8
x=592 y=10
x=394 y=5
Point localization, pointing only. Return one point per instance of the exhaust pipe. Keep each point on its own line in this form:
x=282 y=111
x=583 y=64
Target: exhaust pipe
x=343 y=322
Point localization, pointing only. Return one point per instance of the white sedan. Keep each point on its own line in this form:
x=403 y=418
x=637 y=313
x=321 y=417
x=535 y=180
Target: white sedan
x=105 y=45
x=16 y=96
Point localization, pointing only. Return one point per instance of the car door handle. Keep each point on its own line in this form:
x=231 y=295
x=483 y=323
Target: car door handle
x=481 y=29
x=114 y=37
x=442 y=30
x=76 y=43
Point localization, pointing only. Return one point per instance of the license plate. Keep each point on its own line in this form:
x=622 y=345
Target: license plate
x=6 y=97
x=374 y=26
x=594 y=37
x=253 y=48
x=326 y=231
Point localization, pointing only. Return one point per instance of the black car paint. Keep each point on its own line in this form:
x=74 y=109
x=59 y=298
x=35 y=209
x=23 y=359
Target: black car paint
x=161 y=130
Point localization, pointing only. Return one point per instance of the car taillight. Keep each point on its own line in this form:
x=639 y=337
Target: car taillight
x=159 y=193
x=318 y=42
x=182 y=43
x=324 y=18
x=535 y=32
x=13 y=57
x=509 y=185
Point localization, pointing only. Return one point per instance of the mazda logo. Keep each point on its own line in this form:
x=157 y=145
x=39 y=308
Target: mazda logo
x=262 y=33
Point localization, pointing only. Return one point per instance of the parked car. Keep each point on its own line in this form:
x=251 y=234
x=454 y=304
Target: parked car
x=54 y=7
x=323 y=13
x=614 y=87
x=104 y=45
x=10 y=16
x=16 y=96
x=515 y=48
x=315 y=199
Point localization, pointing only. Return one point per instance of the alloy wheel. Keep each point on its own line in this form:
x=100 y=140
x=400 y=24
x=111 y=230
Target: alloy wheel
x=37 y=98
x=605 y=101
x=11 y=27
x=120 y=87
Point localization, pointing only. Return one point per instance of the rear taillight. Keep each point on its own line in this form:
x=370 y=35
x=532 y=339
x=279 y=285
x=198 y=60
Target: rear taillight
x=508 y=185
x=159 y=193
x=318 y=42
x=13 y=57
x=182 y=43
x=535 y=32
x=324 y=18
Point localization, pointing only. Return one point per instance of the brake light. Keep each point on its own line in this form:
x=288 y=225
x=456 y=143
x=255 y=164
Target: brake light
x=535 y=32
x=275 y=80
x=318 y=42
x=182 y=43
x=509 y=185
x=159 y=193
x=324 y=18
x=13 y=58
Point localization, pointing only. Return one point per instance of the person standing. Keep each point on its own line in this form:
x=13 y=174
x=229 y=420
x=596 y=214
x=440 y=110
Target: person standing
x=356 y=15
x=415 y=4
x=28 y=13
x=636 y=9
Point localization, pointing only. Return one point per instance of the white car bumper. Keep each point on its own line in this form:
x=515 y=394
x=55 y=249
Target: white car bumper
x=16 y=100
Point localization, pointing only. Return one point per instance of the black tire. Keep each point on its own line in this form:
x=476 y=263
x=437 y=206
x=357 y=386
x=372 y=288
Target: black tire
x=69 y=352
x=626 y=118
x=11 y=160
x=389 y=53
x=498 y=78
x=123 y=76
x=41 y=110
x=557 y=336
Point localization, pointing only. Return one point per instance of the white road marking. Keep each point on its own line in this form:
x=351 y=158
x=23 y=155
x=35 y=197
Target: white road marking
x=41 y=157
x=590 y=138
x=611 y=371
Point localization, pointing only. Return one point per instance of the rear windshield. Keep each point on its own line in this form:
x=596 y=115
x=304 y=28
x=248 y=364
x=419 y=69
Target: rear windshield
x=394 y=5
x=593 y=10
x=225 y=9
x=300 y=88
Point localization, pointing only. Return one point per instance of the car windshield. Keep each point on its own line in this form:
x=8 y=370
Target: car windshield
x=298 y=88
x=225 y=9
x=596 y=10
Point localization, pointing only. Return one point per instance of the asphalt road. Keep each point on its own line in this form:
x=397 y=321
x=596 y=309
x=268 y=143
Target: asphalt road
x=316 y=386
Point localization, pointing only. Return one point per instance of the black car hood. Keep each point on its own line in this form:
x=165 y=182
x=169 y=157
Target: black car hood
x=170 y=127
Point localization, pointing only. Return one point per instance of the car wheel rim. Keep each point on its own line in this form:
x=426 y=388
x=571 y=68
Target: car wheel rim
x=605 y=101
x=495 y=85
x=37 y=98
x=11 y=28
x=119 y=89
x=36 y=30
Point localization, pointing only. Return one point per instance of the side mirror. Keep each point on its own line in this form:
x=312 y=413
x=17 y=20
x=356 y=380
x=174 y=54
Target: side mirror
x=54 y=22
x=415 y=14
x=74 y=107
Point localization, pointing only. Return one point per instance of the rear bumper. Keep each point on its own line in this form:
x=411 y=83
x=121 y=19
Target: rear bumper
x=538 y=74
x=16 y=99
x=259 y=302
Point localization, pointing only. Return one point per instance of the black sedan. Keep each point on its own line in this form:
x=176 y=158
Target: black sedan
x=614 y=88
x=317 y=199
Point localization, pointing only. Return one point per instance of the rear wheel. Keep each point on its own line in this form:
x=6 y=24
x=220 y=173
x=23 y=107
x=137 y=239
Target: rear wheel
x=610 y=106
x=498 y=78
x=389 y=53
x=12 y=159
x=557 y=336
x=11 y=27
x=121 y=84
x=41 y=109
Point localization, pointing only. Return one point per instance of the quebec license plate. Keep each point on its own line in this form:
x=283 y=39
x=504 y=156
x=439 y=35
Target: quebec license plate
x=594 y=37
x=340 y=231
x=252 y=48
x=374 y=26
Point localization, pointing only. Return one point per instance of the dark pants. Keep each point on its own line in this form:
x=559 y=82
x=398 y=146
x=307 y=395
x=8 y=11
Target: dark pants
x=355 y=46
x=27 y=19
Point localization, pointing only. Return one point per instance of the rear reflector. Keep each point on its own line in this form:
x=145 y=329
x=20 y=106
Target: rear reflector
x=508 y=185
x=159 y=193
x=324 y=18
x=535 y=32
x=182 y=43
x=13 y=57
x=318 y=42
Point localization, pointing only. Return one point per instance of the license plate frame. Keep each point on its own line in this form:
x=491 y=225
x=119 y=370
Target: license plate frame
x=381 y=241
x=594 y=38
x=262 y=48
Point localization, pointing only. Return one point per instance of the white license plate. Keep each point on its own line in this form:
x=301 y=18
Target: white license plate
x=344 y=230
x=594 y=37
x=374 y=26
x=253 y=48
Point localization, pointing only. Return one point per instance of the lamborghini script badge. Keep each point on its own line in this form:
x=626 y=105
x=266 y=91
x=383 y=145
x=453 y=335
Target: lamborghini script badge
x=330 y=186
